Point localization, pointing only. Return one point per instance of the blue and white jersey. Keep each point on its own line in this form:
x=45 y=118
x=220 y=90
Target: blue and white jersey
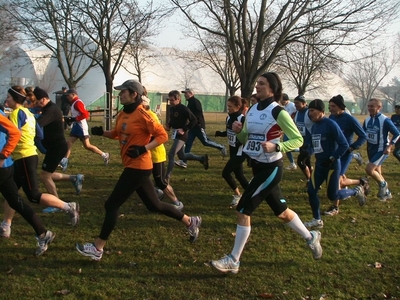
x=350 y=125
x=377 y=129
x=327 y=140
x=396 y=121
x=304 y=124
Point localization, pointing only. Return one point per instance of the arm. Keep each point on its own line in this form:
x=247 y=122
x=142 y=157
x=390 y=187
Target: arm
x=340 y=140
x=192 y=121
x=83 y=113
x=288 y=126
x=361 y=135
x=13 y=135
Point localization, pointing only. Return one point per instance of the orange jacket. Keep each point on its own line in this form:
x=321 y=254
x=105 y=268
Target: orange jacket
x=136 y=128
x=12 y=133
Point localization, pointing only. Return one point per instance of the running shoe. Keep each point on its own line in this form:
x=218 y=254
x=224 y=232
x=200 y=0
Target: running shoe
x=204 y=161
x=358 y=157
x=78 y=183
x=332 y=211
x=360 y=195
x=64 y=164
x=226 y=264
x=291 y=167
x=235 y=200
x=74 y=213
x=223 y=151
x=181 y=164
x=193 y=228
x=383 y=187
x=385 y=197
x=314 y=223
x=365 y=184
x=5 y=231
x=89 y=250
x=160 y=194
x=315 y=245
x=50 y=210
x=106 y=158
x=43 y=242
x=178 y=205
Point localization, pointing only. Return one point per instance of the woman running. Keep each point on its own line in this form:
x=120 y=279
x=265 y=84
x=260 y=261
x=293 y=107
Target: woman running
x=235 y=106
x=137 y=133
x=26 y=160
x=261 y=135
x=9 y=136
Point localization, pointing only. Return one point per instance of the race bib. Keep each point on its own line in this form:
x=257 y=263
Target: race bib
x=372 y=137
x=253 y=145
x=174 y=133
x=302 y=129
x=316 y=142
x=231 y=137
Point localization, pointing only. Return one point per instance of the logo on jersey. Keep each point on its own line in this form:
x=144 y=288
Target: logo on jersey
x=123 y=126
x=263 y=116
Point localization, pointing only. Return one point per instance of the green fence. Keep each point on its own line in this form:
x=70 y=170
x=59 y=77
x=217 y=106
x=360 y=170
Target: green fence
x=210 y=103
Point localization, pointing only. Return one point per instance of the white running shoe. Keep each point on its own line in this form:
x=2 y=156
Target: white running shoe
x=181 y=164
x=43 y=242
x=291 y=167
x=315 y=245
x=106 y=158
x=314 y=223
x=235 y=200
x=226 y=264
x=64 y=164
x=89 y=250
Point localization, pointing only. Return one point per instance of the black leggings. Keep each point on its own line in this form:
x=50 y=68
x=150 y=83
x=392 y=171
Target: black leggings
x=159 y=175
x=235 y=165
x=132 y=180
x=263 y=186
x=9 y=190
x=26 y=177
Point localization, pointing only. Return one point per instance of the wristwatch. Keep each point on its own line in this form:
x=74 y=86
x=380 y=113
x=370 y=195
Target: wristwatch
x=277 y=148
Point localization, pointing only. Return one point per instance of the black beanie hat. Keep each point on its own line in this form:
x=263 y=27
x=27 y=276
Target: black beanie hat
x=40 y=93
x=317 y=104
x=17 y=96
x=339 y=101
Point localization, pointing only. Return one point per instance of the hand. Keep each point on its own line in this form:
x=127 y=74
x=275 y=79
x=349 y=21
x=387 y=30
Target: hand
x=328 y=163
x=268 y=147
x=180 y=131
x=97 y=130
x=135 y=151
x=218 y=133
x=237 y=126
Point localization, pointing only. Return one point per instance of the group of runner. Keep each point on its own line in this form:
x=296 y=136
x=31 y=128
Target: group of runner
x=255 y=137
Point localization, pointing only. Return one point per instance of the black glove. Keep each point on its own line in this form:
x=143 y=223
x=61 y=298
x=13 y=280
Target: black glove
x=69 y=120
x=135 y=151
x=328 y=163
x=218 y=133
x=97 y=130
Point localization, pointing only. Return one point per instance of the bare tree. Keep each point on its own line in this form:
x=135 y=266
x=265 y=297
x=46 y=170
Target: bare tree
x=256 y=31
x=364 y=75
x=49 y=24
x=111 y=25
x=306 y=62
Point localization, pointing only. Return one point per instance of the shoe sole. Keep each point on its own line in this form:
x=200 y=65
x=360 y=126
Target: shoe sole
x=180 y=166
x=96 y=258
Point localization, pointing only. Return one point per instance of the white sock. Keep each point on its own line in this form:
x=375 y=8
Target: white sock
x=66 y=207
x=297 y=225
x=242 y=234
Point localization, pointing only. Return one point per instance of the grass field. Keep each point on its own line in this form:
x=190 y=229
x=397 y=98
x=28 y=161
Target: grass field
x=148 y=255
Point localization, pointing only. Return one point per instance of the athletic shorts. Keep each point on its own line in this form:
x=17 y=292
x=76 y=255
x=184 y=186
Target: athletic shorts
x=53 y=157
x=378 y=158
